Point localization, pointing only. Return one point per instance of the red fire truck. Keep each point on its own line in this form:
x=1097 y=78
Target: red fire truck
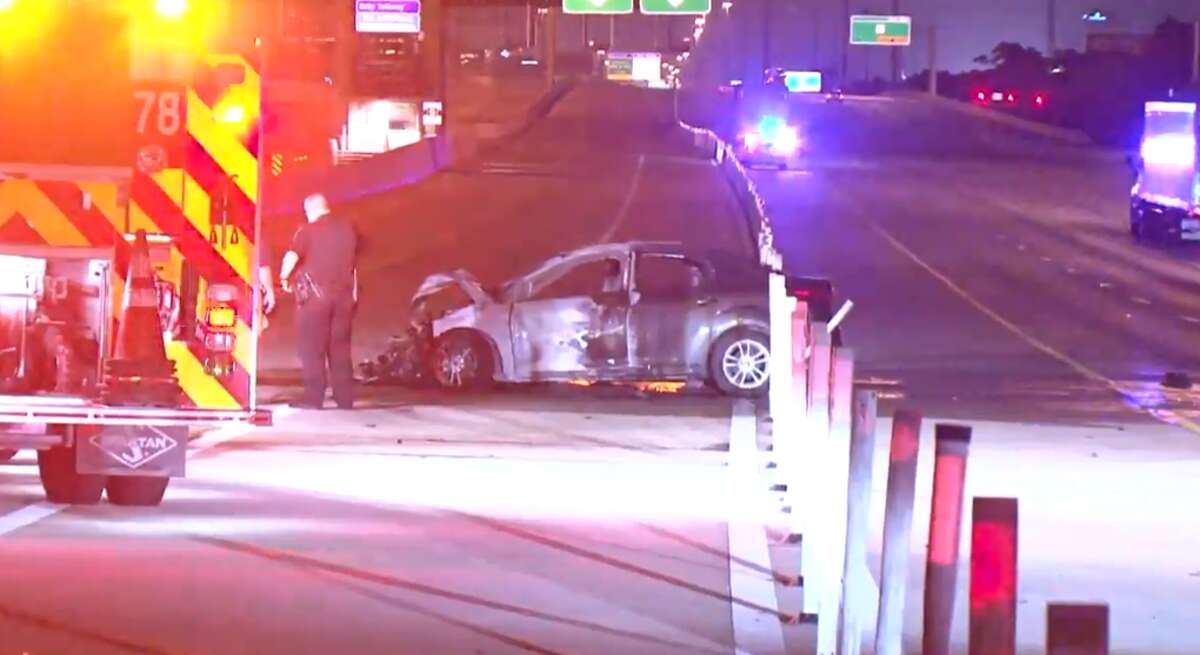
x=120 y=117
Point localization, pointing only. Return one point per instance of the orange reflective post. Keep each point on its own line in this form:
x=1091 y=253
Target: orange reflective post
x=993 y=618
x=945 y=524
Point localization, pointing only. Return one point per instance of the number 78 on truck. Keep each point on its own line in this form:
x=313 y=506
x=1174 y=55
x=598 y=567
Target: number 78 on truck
x=130 y=184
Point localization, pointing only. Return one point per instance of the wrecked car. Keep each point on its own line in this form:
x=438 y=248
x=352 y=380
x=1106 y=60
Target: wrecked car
x=637 y=311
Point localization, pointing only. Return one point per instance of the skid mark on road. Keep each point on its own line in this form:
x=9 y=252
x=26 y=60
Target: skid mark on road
x=1129 y=394
x=572 y=549
x=82 y=634
x=347 y=573
x=623 y=212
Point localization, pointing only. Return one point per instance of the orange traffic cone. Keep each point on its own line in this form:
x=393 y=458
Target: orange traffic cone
x=139 y=335
x=139 y=371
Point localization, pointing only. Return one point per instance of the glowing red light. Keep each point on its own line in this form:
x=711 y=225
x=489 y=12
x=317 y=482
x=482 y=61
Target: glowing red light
x=993 y=564
x=1012 y=98
x=949 y=471
x=1039 y=100
x=981 y=96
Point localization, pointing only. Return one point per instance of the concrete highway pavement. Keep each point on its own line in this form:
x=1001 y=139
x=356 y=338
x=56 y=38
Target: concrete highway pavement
x=546 y=520
x=561 y=523
x=995 y=283
x=607 y=164
x=1038 y=238
x=564 y=520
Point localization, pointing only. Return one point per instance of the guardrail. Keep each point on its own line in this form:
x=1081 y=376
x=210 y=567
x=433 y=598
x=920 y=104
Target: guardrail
x=400 y=167
x=753 y=207
x=824 y=450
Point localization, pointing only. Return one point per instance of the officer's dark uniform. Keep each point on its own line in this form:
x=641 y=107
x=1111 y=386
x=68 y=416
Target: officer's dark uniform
x=327 y=250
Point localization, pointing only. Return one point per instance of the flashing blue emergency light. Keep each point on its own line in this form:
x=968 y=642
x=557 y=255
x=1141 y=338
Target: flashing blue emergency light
x=770 y=125
x=1095 y=16
x=773 y=134
x=802 y=81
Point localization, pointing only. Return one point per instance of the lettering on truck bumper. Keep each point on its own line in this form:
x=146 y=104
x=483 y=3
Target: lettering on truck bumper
x=146 y=450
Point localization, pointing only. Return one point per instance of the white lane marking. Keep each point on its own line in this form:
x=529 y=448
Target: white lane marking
x=1168 y=416
x=27 y=516
x=1140 y=300
x=754 y=632
x=1190 y=319
x=619 y=219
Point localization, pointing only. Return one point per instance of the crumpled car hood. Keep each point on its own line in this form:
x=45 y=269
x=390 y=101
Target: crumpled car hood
x=464 y=280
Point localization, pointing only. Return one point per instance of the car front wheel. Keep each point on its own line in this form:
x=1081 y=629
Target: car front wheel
x=461 y=360
x=740 y=363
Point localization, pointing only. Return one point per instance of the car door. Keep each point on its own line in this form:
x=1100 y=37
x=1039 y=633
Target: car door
x=670 y=314
x=573 y=322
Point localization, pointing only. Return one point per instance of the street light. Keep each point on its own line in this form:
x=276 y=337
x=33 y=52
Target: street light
x=5 y=5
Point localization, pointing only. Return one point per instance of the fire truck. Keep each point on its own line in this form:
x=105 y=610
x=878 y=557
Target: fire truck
x=121 y=118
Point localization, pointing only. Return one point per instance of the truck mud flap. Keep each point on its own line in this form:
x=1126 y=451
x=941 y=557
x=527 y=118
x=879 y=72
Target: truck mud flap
x=145 y=450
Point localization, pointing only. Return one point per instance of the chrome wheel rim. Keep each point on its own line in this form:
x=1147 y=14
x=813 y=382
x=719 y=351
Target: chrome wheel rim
x=746 y=364
x=457 y=366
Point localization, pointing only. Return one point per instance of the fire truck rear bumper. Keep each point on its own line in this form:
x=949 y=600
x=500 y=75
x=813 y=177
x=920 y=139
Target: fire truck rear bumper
x=122 y=441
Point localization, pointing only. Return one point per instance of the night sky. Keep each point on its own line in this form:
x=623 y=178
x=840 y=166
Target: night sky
x=809 y=33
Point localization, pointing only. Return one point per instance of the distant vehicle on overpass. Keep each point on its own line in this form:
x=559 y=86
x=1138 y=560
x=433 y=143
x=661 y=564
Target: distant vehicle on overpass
x=635 y=311
x=1012 y=99
x=764 y=132
x=771 y=141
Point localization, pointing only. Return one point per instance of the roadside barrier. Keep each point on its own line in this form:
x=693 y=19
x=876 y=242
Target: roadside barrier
x=823 y=450
x=754 y=208
x=829 y=438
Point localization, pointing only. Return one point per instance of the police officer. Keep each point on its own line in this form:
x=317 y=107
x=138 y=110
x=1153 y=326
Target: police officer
x=320 y=269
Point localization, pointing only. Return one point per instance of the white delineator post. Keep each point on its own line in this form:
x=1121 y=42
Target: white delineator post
x=801 y=340
x=787 y=437
x=858 y=609
x=835 y=481
x=812 y=480
x=777 y=309
x=780 y=392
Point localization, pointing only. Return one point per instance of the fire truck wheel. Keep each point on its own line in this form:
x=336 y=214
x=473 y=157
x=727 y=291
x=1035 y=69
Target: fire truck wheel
x=62 y=483
x=130 y=491
x=7 y=454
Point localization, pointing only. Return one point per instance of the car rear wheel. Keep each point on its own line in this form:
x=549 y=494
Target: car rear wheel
x=462 y=360
x=740 y=363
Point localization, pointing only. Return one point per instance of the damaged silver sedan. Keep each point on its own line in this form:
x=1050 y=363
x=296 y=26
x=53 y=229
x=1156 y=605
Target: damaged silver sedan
x=618 y=312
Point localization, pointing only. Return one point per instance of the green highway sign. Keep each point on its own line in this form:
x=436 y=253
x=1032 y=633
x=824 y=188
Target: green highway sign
x=597 y=6
x=618 y=69
x=880 y=30
x=676 y=6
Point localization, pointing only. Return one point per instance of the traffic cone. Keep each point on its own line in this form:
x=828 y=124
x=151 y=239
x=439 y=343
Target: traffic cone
x=139 y=371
